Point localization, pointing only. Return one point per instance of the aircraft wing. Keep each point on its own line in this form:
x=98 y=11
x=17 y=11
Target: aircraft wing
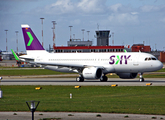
x=76 y=66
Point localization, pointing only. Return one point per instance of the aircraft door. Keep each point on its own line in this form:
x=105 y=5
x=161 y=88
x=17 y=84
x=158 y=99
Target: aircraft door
x=136 y=60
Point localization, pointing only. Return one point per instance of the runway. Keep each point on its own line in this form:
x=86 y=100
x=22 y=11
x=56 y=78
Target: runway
x=72 y=81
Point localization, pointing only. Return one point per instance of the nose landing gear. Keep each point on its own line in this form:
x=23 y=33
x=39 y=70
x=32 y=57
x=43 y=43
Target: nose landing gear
x=141 y=79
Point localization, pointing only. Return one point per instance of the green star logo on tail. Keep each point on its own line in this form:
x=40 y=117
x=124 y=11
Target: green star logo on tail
x=31 y=39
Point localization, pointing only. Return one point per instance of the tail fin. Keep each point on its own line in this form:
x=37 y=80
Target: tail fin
x=31 y=41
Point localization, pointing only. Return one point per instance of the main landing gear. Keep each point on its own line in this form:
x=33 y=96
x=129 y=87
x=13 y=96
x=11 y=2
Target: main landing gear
x=141 y=79
x=104 y=78
x=80 y=79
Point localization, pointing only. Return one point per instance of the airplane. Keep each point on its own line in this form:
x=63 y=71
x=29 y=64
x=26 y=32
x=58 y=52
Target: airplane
x=126 y=65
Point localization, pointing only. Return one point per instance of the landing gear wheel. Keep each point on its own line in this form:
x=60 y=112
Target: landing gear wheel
x=104 y=79
x=141 y=79
x=80 y=79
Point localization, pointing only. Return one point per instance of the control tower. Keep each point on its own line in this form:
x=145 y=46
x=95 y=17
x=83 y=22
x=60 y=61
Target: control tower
x=102 y=37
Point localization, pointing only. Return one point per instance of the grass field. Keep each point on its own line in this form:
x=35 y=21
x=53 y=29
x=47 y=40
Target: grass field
x=136 y=100
x=14 y=72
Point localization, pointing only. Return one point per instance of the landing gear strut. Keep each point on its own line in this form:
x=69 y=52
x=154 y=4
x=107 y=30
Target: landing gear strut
x=141 y=79
x=104 y=78
x=80 y=79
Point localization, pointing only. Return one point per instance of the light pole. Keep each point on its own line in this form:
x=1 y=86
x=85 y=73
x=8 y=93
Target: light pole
x=54 y=37
x=17 y=39
x=6 y=40
x=42 y=31
x=32 y=107
x=83 y=33
x=88 y=35
x=70 y=33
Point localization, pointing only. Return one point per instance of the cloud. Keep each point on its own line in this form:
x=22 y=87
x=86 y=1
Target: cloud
x=149 y=8
x=115 y=7
x=123 y=19
x=59 y=7
x=92 y=6
x=76 y=22
x=134 y=13
x=163 y=20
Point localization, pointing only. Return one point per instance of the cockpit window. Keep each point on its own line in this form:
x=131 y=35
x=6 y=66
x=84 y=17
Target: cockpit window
x=153 y=58
x=150 y=58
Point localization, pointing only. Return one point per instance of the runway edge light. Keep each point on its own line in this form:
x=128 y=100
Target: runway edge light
x=1 y=93
x=115 y=85
x=77 y=86
x=38 y=88
x=148 y=84
x=70 y=95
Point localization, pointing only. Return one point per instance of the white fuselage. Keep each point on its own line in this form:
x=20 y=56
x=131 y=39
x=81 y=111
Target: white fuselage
x=114 y=62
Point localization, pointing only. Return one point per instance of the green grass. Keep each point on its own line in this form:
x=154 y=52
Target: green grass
x=19 y=72
x=154 y=75
x=102 y=99
x=161 y=70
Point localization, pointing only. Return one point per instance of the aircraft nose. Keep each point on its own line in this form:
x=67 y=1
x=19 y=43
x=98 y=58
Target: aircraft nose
x=160 y=65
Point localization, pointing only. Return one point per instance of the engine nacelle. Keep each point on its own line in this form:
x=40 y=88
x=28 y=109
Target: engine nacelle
x=92 y=73
x=127 y=75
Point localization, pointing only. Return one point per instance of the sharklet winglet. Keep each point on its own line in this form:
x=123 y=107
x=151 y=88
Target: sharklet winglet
x=125 y=50
x=15 y=55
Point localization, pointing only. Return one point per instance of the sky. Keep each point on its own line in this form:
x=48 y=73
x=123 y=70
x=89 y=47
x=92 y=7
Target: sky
x=132 y=21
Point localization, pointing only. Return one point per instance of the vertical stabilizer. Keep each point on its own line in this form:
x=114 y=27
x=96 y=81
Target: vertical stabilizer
x=31 y=41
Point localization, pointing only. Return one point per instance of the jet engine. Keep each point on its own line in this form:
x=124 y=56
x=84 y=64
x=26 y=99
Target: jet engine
x=92 y=73
x=127 y=75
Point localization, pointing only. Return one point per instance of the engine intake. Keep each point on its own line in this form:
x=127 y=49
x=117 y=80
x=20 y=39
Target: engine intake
x=92 y=73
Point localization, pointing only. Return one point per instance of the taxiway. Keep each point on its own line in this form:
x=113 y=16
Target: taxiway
x=72 y=81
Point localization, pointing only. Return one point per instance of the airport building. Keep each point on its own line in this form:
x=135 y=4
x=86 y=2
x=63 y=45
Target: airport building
x=102 y=37
x=69 y=49
x=140 y=47
x=78 y=42
x=76 y=45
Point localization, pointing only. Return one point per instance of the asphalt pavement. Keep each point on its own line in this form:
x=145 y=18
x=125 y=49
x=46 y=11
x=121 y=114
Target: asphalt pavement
x=72 y=81
x=76 y=116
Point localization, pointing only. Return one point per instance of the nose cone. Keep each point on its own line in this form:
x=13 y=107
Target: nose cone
x=159 y=65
